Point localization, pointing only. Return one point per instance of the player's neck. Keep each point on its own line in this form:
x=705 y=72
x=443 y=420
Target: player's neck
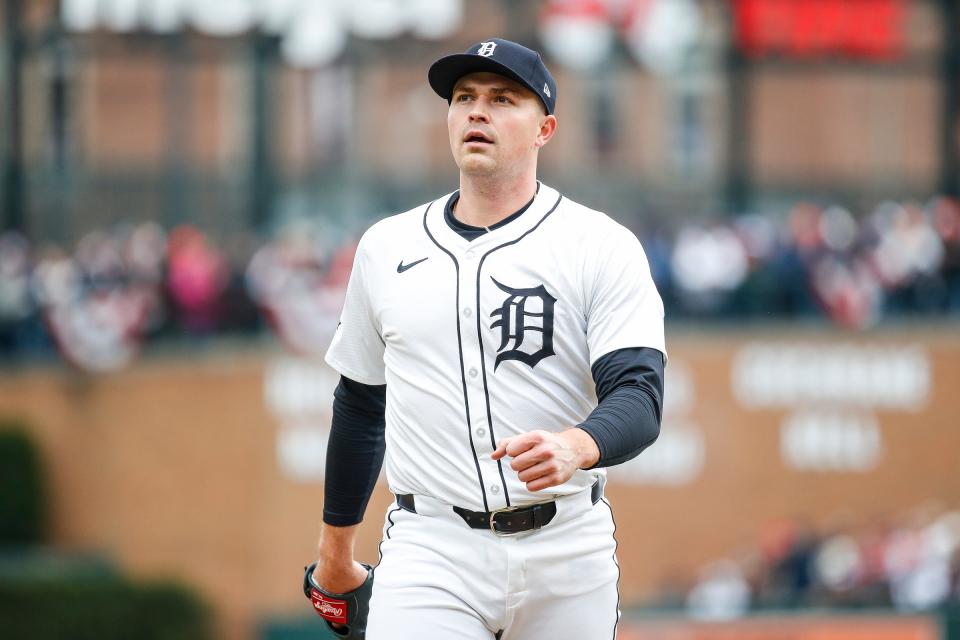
x=486 y=201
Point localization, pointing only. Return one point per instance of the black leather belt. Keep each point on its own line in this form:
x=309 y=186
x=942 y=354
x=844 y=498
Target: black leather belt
x=508 y=520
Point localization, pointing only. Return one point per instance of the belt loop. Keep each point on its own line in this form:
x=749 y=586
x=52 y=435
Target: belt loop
x=596 y=491
x=407 y=502
x=537 y=517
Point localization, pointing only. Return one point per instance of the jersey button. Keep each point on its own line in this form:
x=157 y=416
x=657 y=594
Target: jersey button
x=494 y=488
x=467 y=312
x=480 y=433
x=473 y=372
x=469 y=255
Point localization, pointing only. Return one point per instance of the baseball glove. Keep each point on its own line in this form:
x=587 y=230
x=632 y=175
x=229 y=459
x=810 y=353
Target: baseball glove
x=348 y=609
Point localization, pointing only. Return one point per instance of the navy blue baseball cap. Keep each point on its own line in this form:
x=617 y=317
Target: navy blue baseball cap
x=496 y=55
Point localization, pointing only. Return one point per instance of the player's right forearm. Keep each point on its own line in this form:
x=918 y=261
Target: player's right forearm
x=336 y=570
x=337 y=543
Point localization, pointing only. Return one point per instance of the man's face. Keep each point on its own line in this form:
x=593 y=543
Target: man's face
x=496 y=125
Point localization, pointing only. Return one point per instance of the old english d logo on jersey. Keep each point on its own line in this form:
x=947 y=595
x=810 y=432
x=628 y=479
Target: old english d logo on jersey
x=523 y=311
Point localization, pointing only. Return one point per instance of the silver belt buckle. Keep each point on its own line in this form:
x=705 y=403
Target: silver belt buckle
x=493 y=527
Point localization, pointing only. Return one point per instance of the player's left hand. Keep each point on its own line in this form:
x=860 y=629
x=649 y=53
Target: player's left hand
x=544 y=459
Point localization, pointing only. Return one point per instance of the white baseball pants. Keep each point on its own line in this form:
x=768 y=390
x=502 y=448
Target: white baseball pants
x=438 y=579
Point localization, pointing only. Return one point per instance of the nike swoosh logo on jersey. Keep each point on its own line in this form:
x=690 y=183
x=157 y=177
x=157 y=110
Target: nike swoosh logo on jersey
x=403 y=267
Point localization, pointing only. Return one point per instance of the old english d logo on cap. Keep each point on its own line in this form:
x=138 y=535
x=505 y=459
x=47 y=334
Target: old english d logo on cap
x=486 y=49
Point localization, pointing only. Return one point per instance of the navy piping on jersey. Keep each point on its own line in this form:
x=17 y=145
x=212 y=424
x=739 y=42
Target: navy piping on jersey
x=463 y=374
x=483 y=365
x=616 y=545
x=386 y=534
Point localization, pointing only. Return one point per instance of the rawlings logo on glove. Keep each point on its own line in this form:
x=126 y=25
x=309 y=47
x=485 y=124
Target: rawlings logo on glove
x=346 y=609
x=332 y=610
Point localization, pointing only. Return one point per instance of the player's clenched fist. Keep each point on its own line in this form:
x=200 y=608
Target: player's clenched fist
x=543 y=459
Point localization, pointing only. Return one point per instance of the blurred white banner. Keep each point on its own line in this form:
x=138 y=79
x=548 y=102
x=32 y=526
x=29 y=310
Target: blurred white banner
x=314 y=32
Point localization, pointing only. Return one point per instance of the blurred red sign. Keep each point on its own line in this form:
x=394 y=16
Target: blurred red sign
x=859 y=29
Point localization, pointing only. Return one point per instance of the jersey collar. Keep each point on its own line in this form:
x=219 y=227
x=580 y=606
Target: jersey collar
x=437 y=225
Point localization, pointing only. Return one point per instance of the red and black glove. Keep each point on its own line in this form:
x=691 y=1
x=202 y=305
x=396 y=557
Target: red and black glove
x=349 y=609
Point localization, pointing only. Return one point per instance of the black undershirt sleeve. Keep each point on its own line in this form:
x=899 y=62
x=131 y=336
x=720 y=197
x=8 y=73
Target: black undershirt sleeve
x=354 y=452
x=630 y=400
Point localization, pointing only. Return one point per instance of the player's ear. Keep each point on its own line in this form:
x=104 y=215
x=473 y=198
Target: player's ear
x=548 y=127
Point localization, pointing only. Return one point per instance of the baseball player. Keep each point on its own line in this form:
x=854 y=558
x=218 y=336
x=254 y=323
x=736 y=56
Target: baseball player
x=503 y=345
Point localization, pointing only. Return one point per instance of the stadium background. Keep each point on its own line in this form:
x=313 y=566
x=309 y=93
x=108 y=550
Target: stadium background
x=183 y=184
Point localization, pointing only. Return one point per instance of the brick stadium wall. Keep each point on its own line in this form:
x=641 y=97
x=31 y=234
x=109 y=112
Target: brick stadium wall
x=210 y=468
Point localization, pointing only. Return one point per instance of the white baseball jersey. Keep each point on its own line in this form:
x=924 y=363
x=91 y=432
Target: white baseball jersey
x=481 y=340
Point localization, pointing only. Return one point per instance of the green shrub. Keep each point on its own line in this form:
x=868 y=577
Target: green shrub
x=101 y=609
x=46 y=596
x=23 y=505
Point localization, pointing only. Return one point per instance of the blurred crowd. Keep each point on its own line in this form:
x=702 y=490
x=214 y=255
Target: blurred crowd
x=910 y=563
x=900 y=258
x=97 y=302
x=100 y=302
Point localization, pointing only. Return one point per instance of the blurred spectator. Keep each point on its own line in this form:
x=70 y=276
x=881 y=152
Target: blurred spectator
x=839 y=565
x=721 y=594
x=790 y=578
x=946 y=221
x=93 y=314
x=847 y=291
x=240 y=313
x=196 y=278
x=17 y=305
x=300 y=292
x=918 y=561
x=708 y=264
x=908 y=257
x=144 y=249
